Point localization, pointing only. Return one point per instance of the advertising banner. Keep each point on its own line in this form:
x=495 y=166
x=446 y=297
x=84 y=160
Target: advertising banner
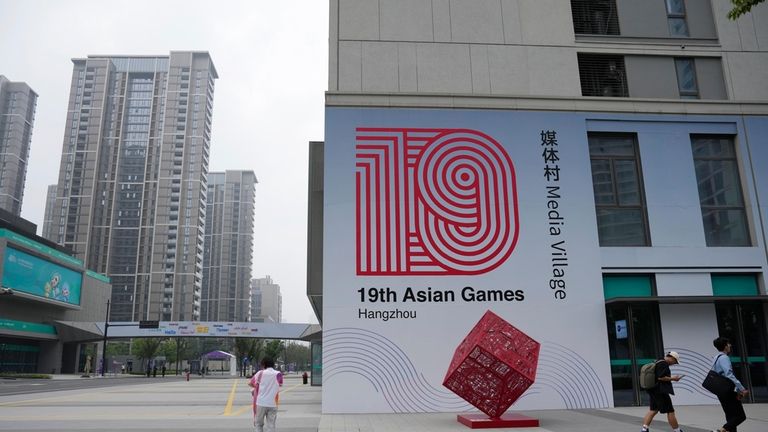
x=32 y=275
x=207 y=329
x=433 y=217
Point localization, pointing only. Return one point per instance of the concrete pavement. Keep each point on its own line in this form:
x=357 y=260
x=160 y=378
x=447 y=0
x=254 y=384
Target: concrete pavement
x=224 y=404
x=692 y=419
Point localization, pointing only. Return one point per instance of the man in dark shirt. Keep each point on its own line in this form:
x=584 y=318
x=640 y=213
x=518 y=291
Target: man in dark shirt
x=660 y=395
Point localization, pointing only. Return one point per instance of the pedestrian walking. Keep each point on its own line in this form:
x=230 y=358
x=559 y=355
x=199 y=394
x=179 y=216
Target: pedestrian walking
x=154 y=371
x=730 y=401
x=163 y=370
x=266 y=392
x=661 y=402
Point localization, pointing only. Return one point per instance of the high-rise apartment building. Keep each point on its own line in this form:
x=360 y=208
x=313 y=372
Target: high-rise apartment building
x=50 y=204
x=132 y=186
x=592 y=171
x=17 y=116
x=228 y=251
x=266 y=301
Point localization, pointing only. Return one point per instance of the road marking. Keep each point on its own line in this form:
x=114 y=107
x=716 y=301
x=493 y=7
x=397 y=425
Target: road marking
x=228 y=408
x=242 y=410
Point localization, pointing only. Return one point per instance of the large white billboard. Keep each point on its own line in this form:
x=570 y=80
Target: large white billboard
x=432 y=217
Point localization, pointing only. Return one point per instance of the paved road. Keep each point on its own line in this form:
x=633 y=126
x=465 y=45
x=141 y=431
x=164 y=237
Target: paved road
x=30 y=386
x=133 y=404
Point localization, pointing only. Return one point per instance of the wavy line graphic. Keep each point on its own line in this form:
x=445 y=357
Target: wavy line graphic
x=695 y=366
x=388 y=368
x=565 y=372
x=391 y=372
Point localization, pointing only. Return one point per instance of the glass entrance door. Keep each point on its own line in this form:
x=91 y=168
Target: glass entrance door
x=744 y=325
x=634 y=339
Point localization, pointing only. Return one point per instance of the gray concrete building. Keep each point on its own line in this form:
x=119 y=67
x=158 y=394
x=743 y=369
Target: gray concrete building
x=266 y=300
x=661 y=111
x=50 y=203
x=17 y=116
x=132 y=186
x=228 y=251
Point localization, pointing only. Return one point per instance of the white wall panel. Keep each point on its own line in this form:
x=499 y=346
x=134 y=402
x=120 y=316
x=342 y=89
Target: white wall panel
x=546 y=22
x=481 y=78
x=358 y=19
x=683 y=284
x=476 y=21
x=407 y=63
x=380 y=67
x=689 y=329
x=406 y=20
x=553 y=71
x=444 y=68
x=350 y=66
x=508 y=67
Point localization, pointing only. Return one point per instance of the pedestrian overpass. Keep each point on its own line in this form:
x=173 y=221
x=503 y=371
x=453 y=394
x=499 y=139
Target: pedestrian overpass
x=94 y=331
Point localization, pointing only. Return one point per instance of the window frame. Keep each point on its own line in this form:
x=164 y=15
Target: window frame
x=742 y=207
x=642 y=206
x=687 y=94
x=673 y=15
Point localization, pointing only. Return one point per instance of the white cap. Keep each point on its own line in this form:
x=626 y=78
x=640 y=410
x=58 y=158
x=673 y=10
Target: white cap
x=674 y=355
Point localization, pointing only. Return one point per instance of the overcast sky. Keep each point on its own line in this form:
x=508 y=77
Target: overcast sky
x=272 y=60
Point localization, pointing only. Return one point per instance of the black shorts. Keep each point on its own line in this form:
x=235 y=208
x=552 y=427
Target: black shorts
x=661 y=402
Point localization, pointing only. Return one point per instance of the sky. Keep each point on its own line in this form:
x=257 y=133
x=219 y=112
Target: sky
x=272 y=61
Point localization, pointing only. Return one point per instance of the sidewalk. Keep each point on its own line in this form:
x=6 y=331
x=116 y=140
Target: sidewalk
x=700 y=418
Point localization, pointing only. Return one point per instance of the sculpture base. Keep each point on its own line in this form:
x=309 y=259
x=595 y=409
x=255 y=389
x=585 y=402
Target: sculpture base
x=482 y=421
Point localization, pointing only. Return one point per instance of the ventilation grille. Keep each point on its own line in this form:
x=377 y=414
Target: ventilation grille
x=602 y=75
x=596 y=17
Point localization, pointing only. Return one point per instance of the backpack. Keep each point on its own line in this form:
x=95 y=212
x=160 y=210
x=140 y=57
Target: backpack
x=648 y=375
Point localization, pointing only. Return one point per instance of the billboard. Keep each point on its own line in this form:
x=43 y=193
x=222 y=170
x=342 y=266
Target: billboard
x=32 y=275
x=433 y=217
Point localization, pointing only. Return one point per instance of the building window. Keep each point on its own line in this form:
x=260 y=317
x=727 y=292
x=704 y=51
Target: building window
x=676 y=18
x=596 y=17
x=619 y=198
x=686 y=78
x=720 y=194
x=602 y=75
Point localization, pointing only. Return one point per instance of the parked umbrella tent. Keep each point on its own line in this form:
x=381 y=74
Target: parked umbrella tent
x=222 y=356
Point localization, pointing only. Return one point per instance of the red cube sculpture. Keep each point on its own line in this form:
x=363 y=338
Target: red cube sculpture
x=493 y=366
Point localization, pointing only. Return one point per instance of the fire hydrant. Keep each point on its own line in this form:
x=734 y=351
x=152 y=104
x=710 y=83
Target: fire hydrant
x=304 y=377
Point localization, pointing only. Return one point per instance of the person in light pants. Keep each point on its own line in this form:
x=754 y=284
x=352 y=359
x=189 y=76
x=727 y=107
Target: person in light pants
x=266 y=390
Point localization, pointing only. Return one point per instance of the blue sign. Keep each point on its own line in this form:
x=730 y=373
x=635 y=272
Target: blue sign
x=32 y=275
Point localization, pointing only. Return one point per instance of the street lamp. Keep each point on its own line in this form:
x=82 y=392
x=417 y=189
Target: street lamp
x=104 y=343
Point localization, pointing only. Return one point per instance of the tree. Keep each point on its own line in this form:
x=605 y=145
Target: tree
x=115 y=348
x=273 y=349
x=174 y=350
x=740 y=7
x=145 y=349
x=247 y=347
x=297 y=354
